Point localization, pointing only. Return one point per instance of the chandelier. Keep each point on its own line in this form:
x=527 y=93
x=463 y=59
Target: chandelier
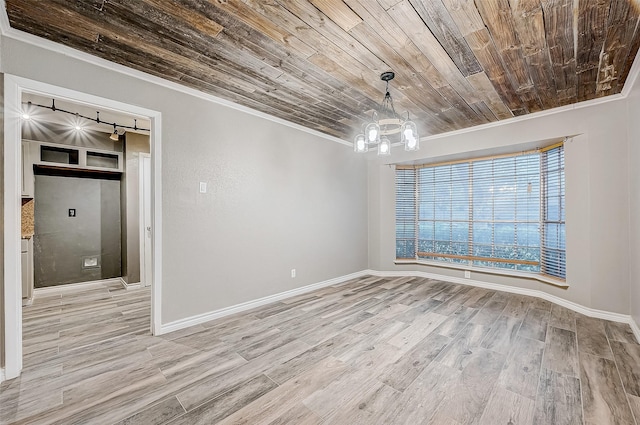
x=386 y=122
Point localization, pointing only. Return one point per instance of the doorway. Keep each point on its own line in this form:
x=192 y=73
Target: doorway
x=14 y=87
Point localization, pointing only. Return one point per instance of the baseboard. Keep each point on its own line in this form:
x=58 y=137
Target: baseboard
x=73 y=286
x=128 y=286
x=2 y=378
x=227 y=311
x=591 y=312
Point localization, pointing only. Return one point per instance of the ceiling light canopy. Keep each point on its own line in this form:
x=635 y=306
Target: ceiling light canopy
x=384 y=123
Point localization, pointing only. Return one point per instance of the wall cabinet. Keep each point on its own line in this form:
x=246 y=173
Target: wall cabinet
x=69 y=157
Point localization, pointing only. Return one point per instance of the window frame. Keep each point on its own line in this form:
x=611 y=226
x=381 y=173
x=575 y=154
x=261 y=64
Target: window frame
x=469 y=261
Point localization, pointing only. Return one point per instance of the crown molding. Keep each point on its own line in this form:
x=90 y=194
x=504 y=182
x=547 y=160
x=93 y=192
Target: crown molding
x=531 y=116
x=5 y=26
x=633 y=76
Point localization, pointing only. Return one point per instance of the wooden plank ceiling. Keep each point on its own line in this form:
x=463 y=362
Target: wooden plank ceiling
x=458 y=63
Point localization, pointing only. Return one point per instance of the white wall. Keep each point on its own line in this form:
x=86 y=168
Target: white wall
x=634 y=201
x=278 y=198
x=597 y=214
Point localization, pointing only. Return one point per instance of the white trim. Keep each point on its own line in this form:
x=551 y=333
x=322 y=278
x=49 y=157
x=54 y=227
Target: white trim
x=12 y=232
x=2 y=377
x=591 y=312
x=216 y=314
x=227 y=311
x=530 y=116
x=486 y=270
x=144 y=279
x=103 y=63
x=5 y=26
x=156 y=223
x=632 y=77
x=74 y=286
x=129 y=286
x=14 y=86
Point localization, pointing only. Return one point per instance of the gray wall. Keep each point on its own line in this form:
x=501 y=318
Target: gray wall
x=634 y=200
x=597 y=181
x=278 y=198
x=61 y=242
x=135 y=144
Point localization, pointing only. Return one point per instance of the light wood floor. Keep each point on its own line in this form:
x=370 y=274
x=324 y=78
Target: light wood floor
x=371 y=351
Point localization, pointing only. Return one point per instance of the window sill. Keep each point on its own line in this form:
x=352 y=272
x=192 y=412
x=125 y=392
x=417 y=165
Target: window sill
x=540 y=278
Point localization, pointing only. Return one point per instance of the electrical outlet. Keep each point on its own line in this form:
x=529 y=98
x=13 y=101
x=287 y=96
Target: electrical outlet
x=203 y=187
x=293 y=272
x=467 y=274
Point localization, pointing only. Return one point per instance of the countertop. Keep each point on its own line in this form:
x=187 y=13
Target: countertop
x=28 y=218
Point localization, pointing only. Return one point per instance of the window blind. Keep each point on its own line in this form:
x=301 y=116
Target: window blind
x=553 y=227
x=490 y=212
x=405 y=213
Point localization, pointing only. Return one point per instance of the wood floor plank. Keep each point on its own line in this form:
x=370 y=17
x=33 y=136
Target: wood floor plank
x=503 y=334
x=367 y=408
x=535 y=323
x=592 y=338
x=227 y=403
x=604 y=399
x=563 y=318
x=299 y=414
x=157 y=414
x=280 y=400
x=506 y=407
x=619 y=332
x=420 y=400
x=340 y=394
x=416 y=332
x=627 y=358
x=634 y=402
x=517 y=306
x=457 y=320
x=467 y=398
x=490 y=312
x=459 y=352
x=404 y=371
x=522 y=369
x=561 y=352
x=559 y=401
x=337 y=345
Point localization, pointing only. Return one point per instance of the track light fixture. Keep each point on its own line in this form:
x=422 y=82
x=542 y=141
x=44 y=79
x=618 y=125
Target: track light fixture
x=114 y=136
x=26 y=115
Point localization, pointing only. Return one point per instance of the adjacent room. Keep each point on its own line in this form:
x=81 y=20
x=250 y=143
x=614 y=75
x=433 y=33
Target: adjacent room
x=320 y=212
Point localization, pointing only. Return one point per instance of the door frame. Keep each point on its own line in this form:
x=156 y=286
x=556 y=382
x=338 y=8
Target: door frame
x=14 y=86
x=144 y=185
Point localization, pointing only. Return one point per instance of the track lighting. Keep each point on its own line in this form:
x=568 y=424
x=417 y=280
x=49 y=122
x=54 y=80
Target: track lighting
x=26 y=112
x=77 y=125
x=114 y=136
